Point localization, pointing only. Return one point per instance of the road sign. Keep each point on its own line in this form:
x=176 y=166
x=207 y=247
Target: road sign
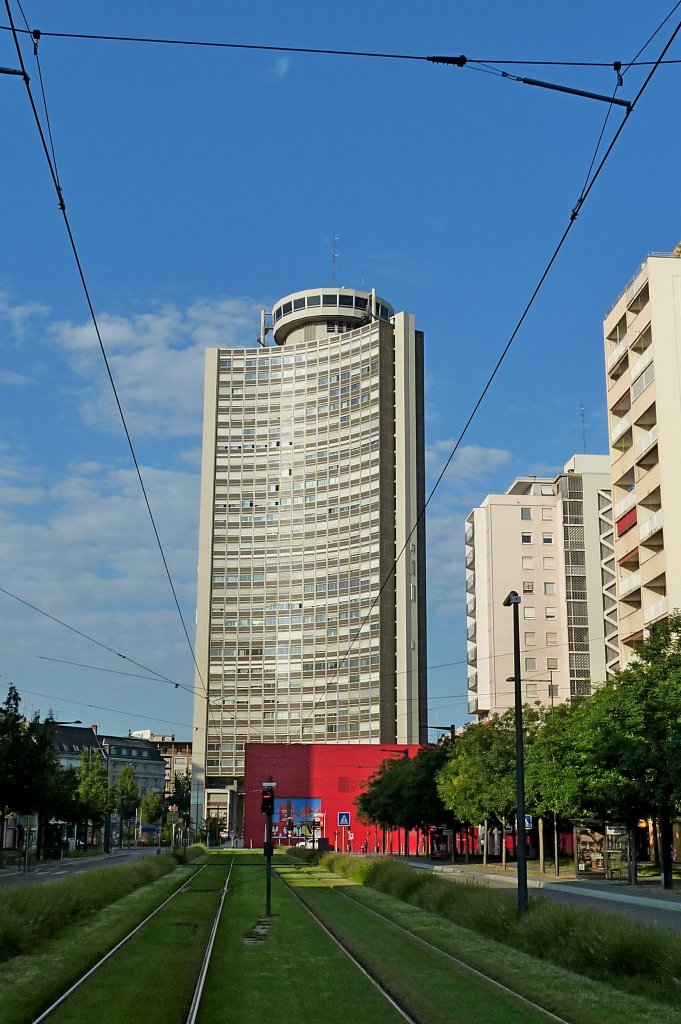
x=528 y=822
x=344 y=819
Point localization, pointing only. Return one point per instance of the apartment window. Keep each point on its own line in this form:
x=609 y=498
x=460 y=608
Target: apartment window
x=547 y=538
x=531 y=689
x=547 y=489
x=529 y=613
x=528 y=562
x=551 y=639
x=530 y=639
x=526 y=513
x=551 y=613
x=526 y=538
x=530 y=664
x=528 y=587
x=552 y=664
x=549 y=562
x=547 y=514
x=549 y=588
x=553 y=690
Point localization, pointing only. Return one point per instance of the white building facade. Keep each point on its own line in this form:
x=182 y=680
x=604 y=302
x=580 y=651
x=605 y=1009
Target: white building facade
x=643 y=372
x=551 y=540
x=311 y=619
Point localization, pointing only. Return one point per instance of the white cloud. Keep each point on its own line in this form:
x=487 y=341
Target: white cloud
x=12 y=379
x=470 y=463
x=281 y=66
x=19 y=315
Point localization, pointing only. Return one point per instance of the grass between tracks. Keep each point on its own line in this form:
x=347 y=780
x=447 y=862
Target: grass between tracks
x=32 y=980
x=628 y=957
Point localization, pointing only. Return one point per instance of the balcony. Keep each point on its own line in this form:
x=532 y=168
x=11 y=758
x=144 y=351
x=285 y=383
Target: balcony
x=627 y=502
x=629 y=583
x=473 y=706
x=653 y=567
x=643 y=360
x=642 y=382
x=646 y=442
x=619 y=427
x=470 y=533
x=470 y=583
x=470 y=607
x=650 y=525
x=470 y=558
x=473 y=682
x=617 y=353
x=472 y=655
x=655 y=611
x=471 y=631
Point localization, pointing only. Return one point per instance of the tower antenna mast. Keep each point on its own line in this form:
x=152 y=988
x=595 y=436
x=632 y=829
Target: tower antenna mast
x=334 y=257
x=582 y=418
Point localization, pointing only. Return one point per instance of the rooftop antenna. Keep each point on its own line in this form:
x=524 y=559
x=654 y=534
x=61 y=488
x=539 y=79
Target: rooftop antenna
x=334 y=257
x=581 y=416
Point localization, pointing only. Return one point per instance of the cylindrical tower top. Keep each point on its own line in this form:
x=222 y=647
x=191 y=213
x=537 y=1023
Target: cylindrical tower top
x=315 y=305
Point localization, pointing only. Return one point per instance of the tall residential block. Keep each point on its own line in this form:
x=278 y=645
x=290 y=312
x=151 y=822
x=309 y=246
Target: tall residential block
x=312 y=481
x=643 y=371
x=551 y=540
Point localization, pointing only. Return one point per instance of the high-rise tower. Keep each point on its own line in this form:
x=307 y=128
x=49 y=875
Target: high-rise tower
x=312 y=481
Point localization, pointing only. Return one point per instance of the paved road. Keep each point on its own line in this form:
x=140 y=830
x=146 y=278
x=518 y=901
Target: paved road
x=51 y=870
x=647 y=902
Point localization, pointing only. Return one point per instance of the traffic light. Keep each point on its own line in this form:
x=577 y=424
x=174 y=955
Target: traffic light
x=267 y=801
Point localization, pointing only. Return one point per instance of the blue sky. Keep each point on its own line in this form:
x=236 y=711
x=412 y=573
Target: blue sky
x=203 y=184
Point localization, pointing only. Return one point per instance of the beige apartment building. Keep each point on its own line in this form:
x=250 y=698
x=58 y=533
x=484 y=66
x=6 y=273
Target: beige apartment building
x=312 y=478
x=549 y=539
x=643 y=372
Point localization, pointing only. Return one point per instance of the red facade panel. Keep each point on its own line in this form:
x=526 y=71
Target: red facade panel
x=319 y=780
x=626 y=522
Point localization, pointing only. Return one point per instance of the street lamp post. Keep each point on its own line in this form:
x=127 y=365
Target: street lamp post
x=513 y=601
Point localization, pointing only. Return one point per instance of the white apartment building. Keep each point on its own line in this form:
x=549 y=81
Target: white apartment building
x=312 y=480
x=549 y=539
x=643 y=372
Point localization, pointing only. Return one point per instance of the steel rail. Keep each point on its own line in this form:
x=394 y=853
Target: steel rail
x=107 y=956
x=208 y=952
x=351 y=956
x=460 y=963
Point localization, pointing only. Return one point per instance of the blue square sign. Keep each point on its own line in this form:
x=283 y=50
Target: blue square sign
x=344 y=819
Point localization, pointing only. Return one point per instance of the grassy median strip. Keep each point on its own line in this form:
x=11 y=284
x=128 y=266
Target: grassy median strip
x=288 y=970
x=152 y=977
x=559 y=957
x=33 y=980
x=431 y=987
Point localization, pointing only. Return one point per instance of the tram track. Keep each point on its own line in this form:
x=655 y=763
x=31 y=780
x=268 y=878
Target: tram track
x=485 y=979
x=63 y=1000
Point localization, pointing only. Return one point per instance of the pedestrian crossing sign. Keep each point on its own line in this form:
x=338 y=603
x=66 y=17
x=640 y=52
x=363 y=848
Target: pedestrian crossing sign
x=344 y=819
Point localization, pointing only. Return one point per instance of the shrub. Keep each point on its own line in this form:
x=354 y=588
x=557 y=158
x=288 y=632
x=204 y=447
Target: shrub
x=33 y=914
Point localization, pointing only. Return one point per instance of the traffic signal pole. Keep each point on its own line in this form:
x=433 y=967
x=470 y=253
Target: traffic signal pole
x=267 y=808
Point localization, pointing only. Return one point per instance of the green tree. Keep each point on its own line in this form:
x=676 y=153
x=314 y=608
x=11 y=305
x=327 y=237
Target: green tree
x=127 y=798
x=95 y=795
x=151 y=808
x=182 y=792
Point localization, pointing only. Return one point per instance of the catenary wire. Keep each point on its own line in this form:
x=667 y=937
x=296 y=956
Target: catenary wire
x=324 y=52
x=97 y=668
x=100 y=341
x=36 y=38
x=573 y=217
x=633 y=62
x=99 y=707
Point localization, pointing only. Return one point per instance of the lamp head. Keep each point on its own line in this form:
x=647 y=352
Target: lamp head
x=513 y=598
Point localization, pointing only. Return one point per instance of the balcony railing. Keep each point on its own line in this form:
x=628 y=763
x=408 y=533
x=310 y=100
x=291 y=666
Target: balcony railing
x=473 y=706
x=473 y=682
x=630 y=583
x=642 y=382
x=470 y=558
x=470 y=533
x=470 y=607
x=470 y=582
x=620 y=426
x=472 y=655
x=627 y=502
x=651 y=525
x=471 y=631
x=646 y=442
x=641 y=363
x=655 y=611
x=617 y=353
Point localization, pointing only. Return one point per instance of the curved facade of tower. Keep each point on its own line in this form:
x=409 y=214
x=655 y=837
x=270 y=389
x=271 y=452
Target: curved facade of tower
x=311 y=591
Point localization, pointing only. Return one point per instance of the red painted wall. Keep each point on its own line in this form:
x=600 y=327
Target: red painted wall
x=327 y=776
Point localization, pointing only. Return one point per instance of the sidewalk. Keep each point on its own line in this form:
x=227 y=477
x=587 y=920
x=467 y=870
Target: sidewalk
x=648 y=893
x=11 y=875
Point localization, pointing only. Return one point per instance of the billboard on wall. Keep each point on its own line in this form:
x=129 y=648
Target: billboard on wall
x=303 y=811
